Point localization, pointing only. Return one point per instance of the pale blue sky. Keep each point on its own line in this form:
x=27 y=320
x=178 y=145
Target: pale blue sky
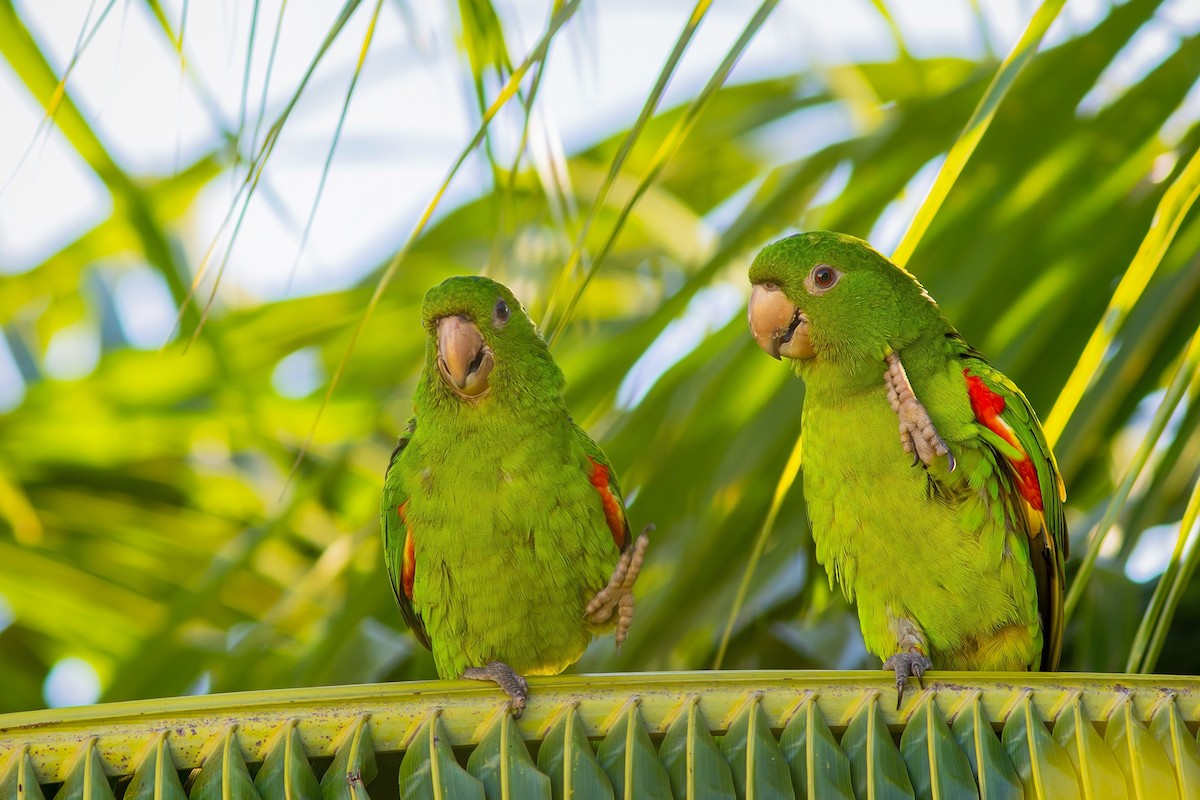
x=411 y=116
x=391 y=158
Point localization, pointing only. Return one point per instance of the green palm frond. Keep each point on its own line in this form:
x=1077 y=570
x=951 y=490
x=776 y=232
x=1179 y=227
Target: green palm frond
x=682 y=735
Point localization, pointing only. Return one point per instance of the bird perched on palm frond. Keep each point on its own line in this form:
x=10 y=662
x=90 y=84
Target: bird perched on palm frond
x=933 y=496
x=504 y=529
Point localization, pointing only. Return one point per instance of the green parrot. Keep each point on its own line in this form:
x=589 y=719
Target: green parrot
x=951 y=536
x=504 y=529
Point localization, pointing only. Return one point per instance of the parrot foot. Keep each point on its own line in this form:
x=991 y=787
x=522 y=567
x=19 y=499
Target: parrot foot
x=618 y=594
x=507 y=678
x=911 y=663
x=917 y=433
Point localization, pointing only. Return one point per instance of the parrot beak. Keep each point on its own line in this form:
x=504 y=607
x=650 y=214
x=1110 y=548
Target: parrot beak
x=464 y=360
x=779 y=327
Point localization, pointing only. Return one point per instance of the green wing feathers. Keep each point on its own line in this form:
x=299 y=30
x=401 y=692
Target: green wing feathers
x=399 y=537
x=1033 y=489
x=398 y=548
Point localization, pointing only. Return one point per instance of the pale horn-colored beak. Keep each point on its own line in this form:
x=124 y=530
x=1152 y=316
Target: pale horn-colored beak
x=779 y=327
x=464 y=359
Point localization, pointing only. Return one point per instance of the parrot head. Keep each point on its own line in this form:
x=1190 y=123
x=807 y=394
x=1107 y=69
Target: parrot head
x=824 y=297
x=480 y=338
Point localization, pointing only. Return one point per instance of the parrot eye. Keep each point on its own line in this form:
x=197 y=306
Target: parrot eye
x=500 y=314
x=823 y=278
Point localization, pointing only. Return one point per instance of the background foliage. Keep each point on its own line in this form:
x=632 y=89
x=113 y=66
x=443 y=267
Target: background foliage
x=148 y=524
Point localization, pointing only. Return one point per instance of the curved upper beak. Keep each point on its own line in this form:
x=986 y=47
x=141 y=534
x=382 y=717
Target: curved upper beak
x=779 y=327
x=464 y=359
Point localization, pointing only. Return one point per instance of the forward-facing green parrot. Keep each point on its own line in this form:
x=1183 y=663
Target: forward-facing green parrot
x=949 y=536
x=504 y=529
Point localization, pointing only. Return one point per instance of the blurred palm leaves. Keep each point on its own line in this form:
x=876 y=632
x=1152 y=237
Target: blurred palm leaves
x=147 y=520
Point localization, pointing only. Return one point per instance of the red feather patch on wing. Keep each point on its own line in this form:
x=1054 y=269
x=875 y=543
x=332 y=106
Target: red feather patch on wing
x=408 y=567
x=988 y=406
x=612 y=507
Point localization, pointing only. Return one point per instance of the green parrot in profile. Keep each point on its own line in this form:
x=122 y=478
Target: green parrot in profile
x=950 y=536
x=504 y=529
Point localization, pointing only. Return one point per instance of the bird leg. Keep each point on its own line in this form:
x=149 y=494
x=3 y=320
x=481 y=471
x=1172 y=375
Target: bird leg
x=507 y=678
x=917 y=434
x=910 y=658
x=618 y=594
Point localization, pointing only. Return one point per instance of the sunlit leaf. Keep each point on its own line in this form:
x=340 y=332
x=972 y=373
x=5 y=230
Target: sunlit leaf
x=567 y=757
x=977 y=125
x=1098 y=771
x=1180 y=746
x=877 y=769
x=937 y=766
x=155 y=777
x=87 y=779
x=994 y=773
x=224 y=775
x=1186 y=371
x=692 y=759
x=17 y=779
x=285 y=773
x=630 y=760
x=819 y=767
x=1148 y=771
x=502 y=764
x=1042 y=764
x=353 y=766
x=758 y=764
x=429 y=769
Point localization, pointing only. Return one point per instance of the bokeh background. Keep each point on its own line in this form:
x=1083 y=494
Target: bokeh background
x=188 y=262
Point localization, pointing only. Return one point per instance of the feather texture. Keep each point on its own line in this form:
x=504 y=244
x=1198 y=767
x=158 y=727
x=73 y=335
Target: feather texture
x=501 y=518
x=958 y=553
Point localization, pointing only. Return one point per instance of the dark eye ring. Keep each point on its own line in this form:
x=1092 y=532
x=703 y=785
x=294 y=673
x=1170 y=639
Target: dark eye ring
x=500 y=314
x=824 y=276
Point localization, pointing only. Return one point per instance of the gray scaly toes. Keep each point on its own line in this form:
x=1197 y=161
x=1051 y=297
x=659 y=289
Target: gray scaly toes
x=910 y=663
x=507 y=678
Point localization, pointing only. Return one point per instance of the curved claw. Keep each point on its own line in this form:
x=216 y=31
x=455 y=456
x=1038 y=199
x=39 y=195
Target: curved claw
x=908 y=664
x=515 y=686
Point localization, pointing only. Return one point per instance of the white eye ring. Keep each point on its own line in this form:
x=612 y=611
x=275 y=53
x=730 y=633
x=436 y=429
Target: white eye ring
x=822 y=278
x=500 y=314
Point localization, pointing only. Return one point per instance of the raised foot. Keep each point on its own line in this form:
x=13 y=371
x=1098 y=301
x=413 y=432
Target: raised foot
x=507 y=678
x=618 y=595
x=911 y=663
x=917 y=433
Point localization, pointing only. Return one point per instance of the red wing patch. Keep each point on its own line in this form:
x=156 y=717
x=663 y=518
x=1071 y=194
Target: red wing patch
x=408 y=566
x=612 y=507
x=988 y=406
